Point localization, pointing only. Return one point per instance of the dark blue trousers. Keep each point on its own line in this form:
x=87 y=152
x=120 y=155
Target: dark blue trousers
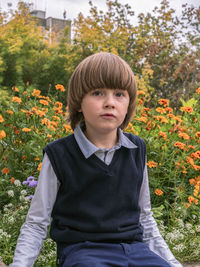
x=92 y=254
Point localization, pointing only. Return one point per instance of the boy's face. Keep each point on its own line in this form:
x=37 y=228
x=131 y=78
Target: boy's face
x=104 y=110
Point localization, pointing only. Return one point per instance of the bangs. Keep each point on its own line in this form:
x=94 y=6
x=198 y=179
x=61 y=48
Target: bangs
x=107 y=71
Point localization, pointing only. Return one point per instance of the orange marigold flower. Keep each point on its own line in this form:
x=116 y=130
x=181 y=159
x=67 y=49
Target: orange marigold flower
x=140 y=92
x=15 y=89
x=5 y=170
x=60 y=87
x=190 y=199
x=196 y=201
x=177 y=164
x=162 y=134
x=187 y=205
x=184 y=136
x=44 y=102
x=170 y=116
x=9 y=112
x=180 y=145
x=67 y=127
x=196 y=155
x=152 y=164
x=44 y=121
x=192 y=181
x=197 y=178
x=56 y=118
x=197 y=134
x=196 y=167
x=197 y=186
x=58 y=105
x=24 y=157
x=187 y=109
x=39 y=166
x=38 y=112
x=161 y=110
x=140 y=102
x=168 y=109
x=36 y=159
x=2 y=134
x=158 y=192
x=12 y=180
x=161 y=119
x=1 y=118
x=163 y=102
x=198 y=91
x=36 y=92
x=26 y=130
x=45 y=97
x=146 y=109
x=190 y=160
x=16 y=99
x=142 y=119
x=53 y=123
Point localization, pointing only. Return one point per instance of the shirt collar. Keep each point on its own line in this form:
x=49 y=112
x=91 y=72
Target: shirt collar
x=88 y=148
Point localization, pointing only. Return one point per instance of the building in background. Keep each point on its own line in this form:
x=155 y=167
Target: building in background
x=54 y=27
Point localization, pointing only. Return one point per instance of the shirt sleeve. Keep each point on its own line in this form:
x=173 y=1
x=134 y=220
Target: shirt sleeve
x=151 y=234
x=34 y=230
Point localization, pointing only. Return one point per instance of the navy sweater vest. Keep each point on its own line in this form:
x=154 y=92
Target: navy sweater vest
x=96 y=202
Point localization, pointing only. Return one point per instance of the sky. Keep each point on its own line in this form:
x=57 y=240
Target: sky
x=55 y=8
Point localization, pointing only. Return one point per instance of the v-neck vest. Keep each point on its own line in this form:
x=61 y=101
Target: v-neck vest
x=95 y=201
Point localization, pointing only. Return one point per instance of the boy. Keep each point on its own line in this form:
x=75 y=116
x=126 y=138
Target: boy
x=94 y=182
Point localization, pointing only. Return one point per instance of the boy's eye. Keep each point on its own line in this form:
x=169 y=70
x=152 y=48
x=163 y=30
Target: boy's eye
x=97 y=93
x=119 y=94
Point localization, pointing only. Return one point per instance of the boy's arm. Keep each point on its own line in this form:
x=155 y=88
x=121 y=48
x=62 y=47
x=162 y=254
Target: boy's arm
x=34 y=230
x=151 y=234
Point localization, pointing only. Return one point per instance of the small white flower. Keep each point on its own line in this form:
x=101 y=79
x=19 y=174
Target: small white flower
x=180 y=223
x=188 y=226
x=179 y=247
x=170 y=236
x=10 y=193
x=11 y=220
x=23 y=192
x=17 y=183
x=197 y=228
x=5 y=209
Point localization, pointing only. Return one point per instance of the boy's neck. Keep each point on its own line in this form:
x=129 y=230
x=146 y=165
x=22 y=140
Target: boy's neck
x=103 y=141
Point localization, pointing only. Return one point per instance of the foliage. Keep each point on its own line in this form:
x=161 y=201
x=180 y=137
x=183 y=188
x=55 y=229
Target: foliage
x=158 y=40
x=165 y=44
x=26 y=56
x=29 y=121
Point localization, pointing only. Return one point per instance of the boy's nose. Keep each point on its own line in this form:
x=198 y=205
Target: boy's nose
x=109 y=101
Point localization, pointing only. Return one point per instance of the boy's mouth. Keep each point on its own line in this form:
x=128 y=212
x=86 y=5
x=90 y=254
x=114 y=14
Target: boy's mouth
x=108 y=115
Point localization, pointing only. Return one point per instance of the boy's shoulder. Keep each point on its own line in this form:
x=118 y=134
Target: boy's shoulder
x=61 y=141
x=138 y=141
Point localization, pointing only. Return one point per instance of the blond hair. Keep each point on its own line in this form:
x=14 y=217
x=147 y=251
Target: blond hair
x=101 y=70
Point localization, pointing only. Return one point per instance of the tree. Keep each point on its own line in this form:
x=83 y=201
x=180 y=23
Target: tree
x=21 y=42
x=157 y=41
